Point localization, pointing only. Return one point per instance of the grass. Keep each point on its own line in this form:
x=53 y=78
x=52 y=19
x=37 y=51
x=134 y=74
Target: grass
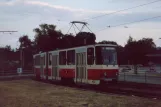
x=29 y=93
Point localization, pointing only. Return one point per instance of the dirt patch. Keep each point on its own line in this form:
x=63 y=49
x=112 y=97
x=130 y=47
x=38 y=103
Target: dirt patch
x=29 y=93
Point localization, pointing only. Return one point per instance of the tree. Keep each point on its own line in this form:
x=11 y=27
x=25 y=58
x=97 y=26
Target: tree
x=121 y=56
x=7 y=58
x=8 y=48
x=26 y=50
x=107 y=42
x=130 y=40
x=85 y=38
x=25 y=42
x=136 y=51
x=68 y=41
x=47 y=37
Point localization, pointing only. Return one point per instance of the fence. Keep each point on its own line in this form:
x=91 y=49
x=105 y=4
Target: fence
x=141 y=77
x=14 y=72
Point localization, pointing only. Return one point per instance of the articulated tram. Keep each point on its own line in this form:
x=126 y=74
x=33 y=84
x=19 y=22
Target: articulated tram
x=92 y=64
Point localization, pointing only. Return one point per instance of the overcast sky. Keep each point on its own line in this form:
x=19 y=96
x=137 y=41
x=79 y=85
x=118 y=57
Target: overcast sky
x=25 y=15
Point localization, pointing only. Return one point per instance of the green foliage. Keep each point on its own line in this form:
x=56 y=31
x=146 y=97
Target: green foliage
x=47 y=38
x=107 y=42
x=85 y=38
x=136 y=51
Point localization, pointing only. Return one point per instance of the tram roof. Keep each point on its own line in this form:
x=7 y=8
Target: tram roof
x=109 y=45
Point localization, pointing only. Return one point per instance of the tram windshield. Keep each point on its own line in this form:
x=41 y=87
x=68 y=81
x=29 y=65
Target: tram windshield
x=106 y=55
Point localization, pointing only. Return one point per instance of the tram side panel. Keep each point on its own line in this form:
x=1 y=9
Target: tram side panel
x=55 y=66
x=78 y=64
x=81 y=70
x=93 y=74
x=37 y=66
x=43 y=68
x=86 y=70
x=98 y=72
x=49 y=59
x=67 y=64
x=102 y=72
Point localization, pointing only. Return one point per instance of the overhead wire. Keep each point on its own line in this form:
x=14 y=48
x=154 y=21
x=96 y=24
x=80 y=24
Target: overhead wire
x=141 y=5
x=129 y=23
x=117 y=11
x=122 y=10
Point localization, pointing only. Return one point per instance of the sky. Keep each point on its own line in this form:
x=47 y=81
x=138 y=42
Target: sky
x=25 y=15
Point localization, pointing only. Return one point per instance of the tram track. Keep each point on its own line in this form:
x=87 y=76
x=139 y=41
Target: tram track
x=114 y=89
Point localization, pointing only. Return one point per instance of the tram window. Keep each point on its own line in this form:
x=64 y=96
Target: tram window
x=105 y=55
x=90 y=56
x=98 y=55
x=50 y=57
x=62 y=58
x=37 y=60
x=71 y=57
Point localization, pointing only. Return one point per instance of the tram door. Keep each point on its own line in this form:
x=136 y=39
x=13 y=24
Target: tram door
x=81 y=72
x=55 y=67
x=42 y=58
